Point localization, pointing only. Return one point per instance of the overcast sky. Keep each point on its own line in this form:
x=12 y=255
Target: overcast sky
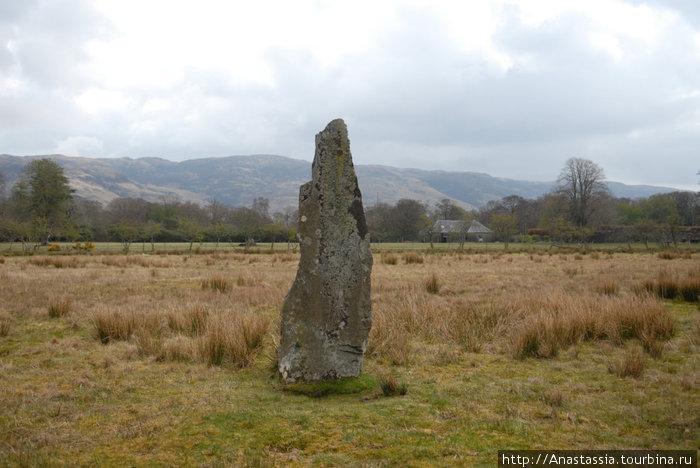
x=510 y=88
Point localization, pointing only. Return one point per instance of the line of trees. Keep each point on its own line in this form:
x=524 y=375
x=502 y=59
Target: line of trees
x=41 y=208
x=579 y=209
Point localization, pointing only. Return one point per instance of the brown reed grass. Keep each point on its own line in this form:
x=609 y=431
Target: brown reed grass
x=191 y=321
x=56 y=261
x=5 y=324
x=669 y=285
x=59 y=306
x=389 y=258
x=216 y=282
x=115 y=261
x=550 y=322
x=607 y=287
x=112 y=324
x=412 y=257
x=433 y=284
x=233 y=338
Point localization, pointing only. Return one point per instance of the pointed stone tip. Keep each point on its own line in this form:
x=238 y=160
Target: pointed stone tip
x=336 y=124
x=335 y=133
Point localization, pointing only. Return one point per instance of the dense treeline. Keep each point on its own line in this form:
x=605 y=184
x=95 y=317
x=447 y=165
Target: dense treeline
x=579 y=209
x=41 y=208
x=660 y=218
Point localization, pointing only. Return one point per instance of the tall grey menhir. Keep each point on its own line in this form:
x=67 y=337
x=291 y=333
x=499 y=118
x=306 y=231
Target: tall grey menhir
x=326 y=317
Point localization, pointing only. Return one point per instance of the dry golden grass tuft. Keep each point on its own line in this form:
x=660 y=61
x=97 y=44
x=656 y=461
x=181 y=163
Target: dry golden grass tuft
x=652 y=344
x=669 y=285
x=432 y=284
x=389 y=258
x=216 y=282
x=247 y=280
x=5 y=324
x=417 y=314
x=146 y=261
x=607 y=287
x=551 y=322
x=689 y=289
x=57 y=261
x=412 y=257
x=116 y=323
x=115 y=261
x=233 y=338
x=671 y=254
x=192 y=321
x=571 y=272
x=389 y=341
x=59 y=306
x=286 y=257
x=148 y=340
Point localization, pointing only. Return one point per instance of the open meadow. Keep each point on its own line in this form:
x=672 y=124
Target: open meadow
x=167 y=358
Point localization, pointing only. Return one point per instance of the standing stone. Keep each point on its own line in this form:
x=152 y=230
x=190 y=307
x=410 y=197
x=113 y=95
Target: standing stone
x=327 y=315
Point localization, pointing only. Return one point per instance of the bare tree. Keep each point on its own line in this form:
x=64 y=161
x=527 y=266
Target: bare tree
x=216 y=211
x=581 y=181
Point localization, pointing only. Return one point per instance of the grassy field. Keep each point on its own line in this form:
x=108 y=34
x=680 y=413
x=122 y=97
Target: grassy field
x=167 y=359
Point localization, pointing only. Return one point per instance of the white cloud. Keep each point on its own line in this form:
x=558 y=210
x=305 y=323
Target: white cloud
x=80 y=146
x=98 y=101
x=156 y=105
x=509 y=87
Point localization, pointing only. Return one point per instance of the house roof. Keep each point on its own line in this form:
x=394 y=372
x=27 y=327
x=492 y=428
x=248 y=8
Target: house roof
x=451 y=226
x=478 y=228
x=448 y=226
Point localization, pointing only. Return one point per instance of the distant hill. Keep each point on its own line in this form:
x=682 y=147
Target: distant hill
x=237 y=180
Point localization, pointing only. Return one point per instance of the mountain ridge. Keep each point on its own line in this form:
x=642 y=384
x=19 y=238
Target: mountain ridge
x=237 y=180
